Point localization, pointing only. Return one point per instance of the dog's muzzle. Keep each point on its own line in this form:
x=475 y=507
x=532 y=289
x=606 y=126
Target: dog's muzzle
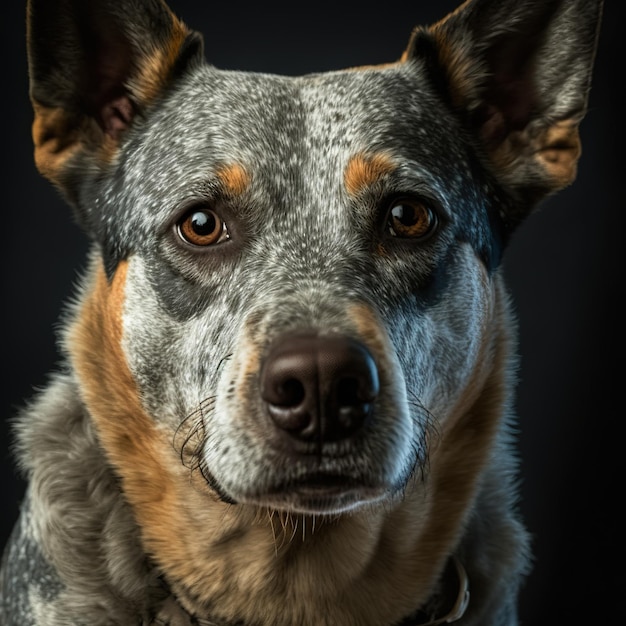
x=319 y=388
x=326 y=426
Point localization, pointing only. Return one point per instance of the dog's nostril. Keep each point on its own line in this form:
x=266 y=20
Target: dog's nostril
x=319 y=387
x=290 y=393
x=348 y=391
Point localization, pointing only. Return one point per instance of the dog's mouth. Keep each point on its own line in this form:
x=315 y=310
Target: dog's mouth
x=321 y=494
x=316 y=493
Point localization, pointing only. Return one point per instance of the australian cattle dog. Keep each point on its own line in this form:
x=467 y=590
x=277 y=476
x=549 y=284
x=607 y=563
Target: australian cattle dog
x=287 y=389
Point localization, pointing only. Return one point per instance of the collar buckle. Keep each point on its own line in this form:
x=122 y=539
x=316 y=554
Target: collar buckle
x=462 y=598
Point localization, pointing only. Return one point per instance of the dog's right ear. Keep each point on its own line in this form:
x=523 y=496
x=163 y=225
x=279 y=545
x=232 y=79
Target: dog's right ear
x=94 y=66
x=518 y=72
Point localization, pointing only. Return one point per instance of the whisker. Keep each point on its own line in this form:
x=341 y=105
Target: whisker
x=430 y=436
x=295 y=528
x=190 y=437
x=284 y=521
x=222 y=361
x=270 y=516
x=192 y=440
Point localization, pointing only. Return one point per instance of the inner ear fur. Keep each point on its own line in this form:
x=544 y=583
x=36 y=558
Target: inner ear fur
x=518 y=72
x=94 y=65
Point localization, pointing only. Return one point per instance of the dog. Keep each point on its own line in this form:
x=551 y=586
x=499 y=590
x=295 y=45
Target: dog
x=289 y=372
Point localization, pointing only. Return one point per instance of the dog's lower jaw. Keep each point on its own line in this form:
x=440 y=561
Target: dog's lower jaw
x=316 y=492
x=323 y=501
x=322 y=495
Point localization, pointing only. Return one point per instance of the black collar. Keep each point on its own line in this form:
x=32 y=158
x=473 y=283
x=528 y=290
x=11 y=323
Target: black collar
x=447 y=605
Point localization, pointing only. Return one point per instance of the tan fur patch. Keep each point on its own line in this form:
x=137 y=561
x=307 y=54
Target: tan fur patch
x=368 y=327
x=468 y=434
x=155 y=69
x=380 y=66
x=364 y=170
x=234 y=178
x=559 y=149
x=555 y=150
x=56 y=136
x=460 y=68
x=183 y=525
x=60 y=133
x=418 y=535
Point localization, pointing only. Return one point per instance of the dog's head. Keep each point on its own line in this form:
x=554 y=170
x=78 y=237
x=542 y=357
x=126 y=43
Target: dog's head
x=295 y=280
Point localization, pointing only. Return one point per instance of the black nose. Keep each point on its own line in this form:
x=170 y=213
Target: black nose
x=319 y=387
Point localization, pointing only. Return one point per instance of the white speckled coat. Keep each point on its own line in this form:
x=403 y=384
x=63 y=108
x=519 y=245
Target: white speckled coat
x=290 y=364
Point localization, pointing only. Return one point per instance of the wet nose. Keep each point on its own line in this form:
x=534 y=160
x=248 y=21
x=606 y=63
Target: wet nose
x=319 y=387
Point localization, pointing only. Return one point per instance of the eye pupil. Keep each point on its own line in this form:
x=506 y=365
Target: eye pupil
x=202 y=227
x=404 y=214
x=203 y=223
x=411 y=219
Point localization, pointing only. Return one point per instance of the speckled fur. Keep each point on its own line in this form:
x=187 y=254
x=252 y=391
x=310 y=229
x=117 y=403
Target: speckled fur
x=158 y=486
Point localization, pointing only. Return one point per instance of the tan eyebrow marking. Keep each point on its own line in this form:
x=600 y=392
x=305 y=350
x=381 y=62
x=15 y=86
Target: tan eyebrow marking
x=365 y=169
x=234 y=178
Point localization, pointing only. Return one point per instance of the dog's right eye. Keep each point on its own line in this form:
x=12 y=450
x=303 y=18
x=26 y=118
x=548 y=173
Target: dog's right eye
x=202 y=227
x=410 y=218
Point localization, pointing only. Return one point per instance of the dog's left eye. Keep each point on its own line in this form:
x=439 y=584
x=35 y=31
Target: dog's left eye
x=202 y=226
x=411 y=219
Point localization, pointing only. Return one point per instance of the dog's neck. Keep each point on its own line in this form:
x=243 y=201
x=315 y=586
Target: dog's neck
x=449 y=602
x=447 y=605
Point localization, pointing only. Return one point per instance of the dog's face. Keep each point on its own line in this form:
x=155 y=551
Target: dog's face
x=300 y=215
x=301 y=283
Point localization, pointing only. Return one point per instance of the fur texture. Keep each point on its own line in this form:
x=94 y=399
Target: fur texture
x=353 y=221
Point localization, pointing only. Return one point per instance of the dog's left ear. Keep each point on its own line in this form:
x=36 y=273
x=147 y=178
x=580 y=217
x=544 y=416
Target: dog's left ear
x=95 y=66
x=518 y=72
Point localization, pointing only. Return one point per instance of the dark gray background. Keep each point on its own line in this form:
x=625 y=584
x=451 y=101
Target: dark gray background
x=565 y=269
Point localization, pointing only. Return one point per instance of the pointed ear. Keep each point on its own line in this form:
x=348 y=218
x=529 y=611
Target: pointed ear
x=95 y=65
x=519 y=72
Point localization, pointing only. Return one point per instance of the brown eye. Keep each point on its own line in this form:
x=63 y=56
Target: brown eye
x=411 y=219
x=202 y=227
